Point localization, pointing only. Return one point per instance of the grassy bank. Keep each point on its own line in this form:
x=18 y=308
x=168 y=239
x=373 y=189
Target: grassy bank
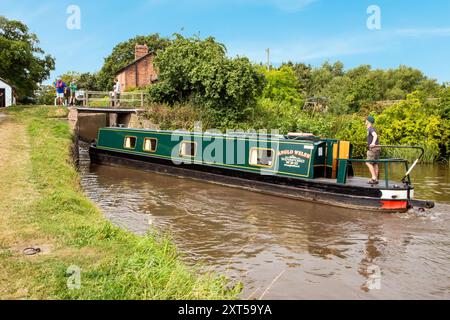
x=43 y=206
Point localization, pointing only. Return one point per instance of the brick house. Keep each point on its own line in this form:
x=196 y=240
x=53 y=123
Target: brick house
x=140 y=72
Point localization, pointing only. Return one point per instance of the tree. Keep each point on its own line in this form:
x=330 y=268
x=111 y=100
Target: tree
x=23 y=62
x=444 y=103
x=45 y=95
x=84 y=81
x=282 y=85
x=89 y=81
x=198 y=71
x=404 y=80
x=413 y=122
x=320 y=78
x=123 y=54
x=303 y=72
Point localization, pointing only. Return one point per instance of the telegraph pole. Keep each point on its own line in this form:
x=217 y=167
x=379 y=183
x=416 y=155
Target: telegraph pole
x=268 y=59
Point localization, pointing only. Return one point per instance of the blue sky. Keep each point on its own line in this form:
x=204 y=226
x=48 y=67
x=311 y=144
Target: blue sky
x=414 y=33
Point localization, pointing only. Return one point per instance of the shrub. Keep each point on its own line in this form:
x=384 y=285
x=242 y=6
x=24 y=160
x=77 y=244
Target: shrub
x=198 y=71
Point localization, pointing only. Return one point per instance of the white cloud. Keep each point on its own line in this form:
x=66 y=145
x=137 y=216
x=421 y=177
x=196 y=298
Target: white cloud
x=424 y=32
x=23 y=13
x=284 y=5
x=291 y=5
x=308 y=50
x=313 y=49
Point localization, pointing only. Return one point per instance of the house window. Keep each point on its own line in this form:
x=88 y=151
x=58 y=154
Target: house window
x=188 y=149
x=130 y=142
x=261 y=157
x=150 y=144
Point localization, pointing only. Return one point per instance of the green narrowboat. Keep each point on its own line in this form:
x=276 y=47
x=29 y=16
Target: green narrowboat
x=297 y=166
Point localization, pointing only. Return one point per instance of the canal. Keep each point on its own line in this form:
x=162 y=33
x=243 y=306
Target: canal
x=286 y=249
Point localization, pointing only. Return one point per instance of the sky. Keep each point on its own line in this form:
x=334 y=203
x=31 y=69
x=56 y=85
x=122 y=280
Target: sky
x=406 y=32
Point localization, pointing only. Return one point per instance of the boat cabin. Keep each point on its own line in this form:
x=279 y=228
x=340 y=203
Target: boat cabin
x=301 y=156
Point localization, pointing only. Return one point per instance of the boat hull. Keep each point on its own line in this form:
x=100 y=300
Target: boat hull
x=359 y=198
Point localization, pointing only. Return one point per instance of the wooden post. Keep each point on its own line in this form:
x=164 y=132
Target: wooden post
x=87 y=98
x=142 y=100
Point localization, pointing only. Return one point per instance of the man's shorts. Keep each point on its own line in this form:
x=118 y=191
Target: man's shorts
x=373 y=154
x=60 y=95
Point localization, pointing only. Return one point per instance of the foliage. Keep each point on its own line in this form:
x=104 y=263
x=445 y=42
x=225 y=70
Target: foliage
x=23 y=63
x=178 y=116
x=45 y=95
x=352 y=128
x=415 y=122
x=355 y=89
x=282 y=85
x=84 y=81
x=444 y=103
x=198 y=71
x=123 y=54
x=278 y=114
x=303 y=72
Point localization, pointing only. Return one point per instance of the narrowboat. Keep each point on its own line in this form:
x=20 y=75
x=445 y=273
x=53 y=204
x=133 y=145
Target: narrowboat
x=298 y=166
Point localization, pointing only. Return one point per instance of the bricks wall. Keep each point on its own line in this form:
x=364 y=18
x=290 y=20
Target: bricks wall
x=139 y=74
x=140 y=50
x=122 y=79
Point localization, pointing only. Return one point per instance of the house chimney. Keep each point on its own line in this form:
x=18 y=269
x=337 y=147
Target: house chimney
x=140 y=50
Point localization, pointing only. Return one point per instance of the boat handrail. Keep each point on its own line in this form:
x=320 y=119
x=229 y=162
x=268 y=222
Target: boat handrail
x=374 y=161
x=405 y=147
x=342 y=176
x=407 y=178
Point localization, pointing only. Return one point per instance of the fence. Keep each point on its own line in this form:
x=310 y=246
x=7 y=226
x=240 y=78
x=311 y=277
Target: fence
x=104 y=99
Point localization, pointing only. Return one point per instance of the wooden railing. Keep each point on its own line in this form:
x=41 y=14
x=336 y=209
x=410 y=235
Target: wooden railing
x=104 y=99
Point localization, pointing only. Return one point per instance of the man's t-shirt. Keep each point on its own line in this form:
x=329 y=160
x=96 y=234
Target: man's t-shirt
x=60 y=86
x=117 y=88
x=73 y=87
x=370 y=132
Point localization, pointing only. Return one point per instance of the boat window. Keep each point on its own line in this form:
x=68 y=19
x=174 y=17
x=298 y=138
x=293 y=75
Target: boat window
x=130 y=142
x=150 y=144
x=261 y=157
x=188 y=149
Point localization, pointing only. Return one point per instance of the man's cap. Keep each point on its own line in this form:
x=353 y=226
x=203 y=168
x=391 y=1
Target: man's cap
x=371 y=119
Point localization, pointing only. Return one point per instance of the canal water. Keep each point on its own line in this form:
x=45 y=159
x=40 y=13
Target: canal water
x=287 y=249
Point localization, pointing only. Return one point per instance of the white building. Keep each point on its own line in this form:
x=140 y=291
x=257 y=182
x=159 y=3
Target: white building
x=7 y=97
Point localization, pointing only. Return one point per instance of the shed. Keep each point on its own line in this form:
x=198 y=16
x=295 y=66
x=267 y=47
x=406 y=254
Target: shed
x=7 y=94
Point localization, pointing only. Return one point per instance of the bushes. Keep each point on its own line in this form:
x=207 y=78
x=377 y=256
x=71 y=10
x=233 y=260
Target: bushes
x=178 y=116
x=45 y=95
x=349 y=90
x=198 y=72
x=280 y=115
x=282 y=85
x=415 y=121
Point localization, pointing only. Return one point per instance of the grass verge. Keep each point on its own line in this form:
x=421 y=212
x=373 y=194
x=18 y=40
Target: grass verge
x=43 y=205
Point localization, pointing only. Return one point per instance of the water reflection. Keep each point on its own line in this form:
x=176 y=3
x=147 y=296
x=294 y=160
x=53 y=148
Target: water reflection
x=311 y=250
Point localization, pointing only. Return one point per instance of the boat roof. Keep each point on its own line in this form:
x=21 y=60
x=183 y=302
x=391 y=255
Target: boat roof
x=232 y=134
